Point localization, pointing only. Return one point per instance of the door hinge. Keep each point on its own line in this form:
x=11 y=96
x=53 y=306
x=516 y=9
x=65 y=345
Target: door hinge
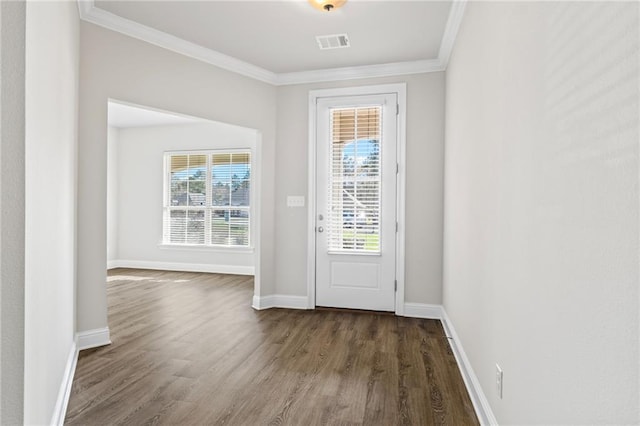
x=397 y=109
x=397 y=168
x=396 y=226
x=395 y=285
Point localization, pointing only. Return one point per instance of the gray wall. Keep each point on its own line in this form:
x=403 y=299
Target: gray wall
x=120 y=67
x=541 y=207
x=139 y=170
x=12 y=210
x=113 y=182
x=425 y=139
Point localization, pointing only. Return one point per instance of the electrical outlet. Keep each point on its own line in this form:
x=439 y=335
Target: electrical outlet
x=499 y=381
x=295 y=201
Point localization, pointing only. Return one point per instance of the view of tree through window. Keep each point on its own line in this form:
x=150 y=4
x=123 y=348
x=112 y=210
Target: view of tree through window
x=207 y=199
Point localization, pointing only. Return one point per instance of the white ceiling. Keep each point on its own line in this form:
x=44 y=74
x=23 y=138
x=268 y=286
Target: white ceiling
x=279 y=36
x=125 y=116
x=274 y=40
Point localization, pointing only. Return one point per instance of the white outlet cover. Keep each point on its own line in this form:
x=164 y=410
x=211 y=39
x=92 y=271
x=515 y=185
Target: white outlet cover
x=295 y=200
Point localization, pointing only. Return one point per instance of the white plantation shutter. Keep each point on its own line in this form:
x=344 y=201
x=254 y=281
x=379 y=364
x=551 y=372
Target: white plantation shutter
x=231 y=174
x=354 y=180
x=187 y=195
x=207 y=198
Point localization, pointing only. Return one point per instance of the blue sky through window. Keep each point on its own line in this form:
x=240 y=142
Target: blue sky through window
x=364 y=148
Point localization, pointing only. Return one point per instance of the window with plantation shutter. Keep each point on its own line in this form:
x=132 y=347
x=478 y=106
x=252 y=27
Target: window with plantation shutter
x=207 y=198
x=354 y=179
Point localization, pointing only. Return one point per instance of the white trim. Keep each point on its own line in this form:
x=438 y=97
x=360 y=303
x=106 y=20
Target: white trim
x=257 y=193
x=183 y=267
x=451 y=31
x=401 y=182
x=351 y=73
x=84 y=8
x=90 y=13
x=414 y=310
x=400 y=89
x=422 y=310
x=209 y=248
x=60 y=409
x=478 y=398
x=93 y=338
x=167 y=206
x=279 y=301
x=311 y=202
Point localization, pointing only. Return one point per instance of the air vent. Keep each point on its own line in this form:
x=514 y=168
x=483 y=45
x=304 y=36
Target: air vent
x=335 y=41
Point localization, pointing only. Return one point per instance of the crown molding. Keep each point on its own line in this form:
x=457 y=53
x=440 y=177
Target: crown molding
x=451 y=31
x=366 y=71
x=90 y=13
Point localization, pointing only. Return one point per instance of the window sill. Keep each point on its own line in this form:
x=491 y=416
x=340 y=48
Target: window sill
x=194 y=247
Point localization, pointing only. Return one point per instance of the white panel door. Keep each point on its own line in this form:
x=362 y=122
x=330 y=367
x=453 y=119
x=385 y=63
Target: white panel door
x=356 y=202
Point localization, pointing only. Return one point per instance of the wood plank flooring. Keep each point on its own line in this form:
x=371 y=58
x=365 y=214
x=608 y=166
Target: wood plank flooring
x=188 y=349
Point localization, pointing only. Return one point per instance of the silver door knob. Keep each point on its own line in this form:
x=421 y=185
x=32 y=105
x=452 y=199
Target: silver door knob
x=320 y=229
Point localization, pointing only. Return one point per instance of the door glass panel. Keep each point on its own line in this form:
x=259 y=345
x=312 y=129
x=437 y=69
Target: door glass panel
x=354 y=180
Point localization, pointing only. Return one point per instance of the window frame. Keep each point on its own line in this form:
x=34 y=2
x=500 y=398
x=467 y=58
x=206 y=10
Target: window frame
x=208 y=207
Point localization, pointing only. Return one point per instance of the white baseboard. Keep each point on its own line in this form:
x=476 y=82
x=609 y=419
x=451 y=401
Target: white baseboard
x=183 y=267
x=422 y=310
x=414 y=310
x=60 y=409
x=280 y=301
x=478 y=398
x=93 y=338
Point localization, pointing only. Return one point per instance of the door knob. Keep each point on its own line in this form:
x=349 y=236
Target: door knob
x=320 y=229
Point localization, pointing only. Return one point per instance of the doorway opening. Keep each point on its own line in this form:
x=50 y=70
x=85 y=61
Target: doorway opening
x=182 y=193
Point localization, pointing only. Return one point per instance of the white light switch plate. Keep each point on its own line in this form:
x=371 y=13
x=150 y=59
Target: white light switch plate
x=295 y=200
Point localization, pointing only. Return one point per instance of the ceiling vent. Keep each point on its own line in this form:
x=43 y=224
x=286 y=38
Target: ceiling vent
x=335 y=41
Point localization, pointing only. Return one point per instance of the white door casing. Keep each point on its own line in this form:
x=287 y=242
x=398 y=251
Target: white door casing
x=355 y=222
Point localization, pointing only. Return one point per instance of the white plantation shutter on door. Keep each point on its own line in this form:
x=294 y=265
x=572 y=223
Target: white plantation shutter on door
x=354 y=180
x=207 y=199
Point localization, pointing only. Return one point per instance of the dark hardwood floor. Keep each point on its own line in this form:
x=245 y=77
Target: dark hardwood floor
x=188 y=349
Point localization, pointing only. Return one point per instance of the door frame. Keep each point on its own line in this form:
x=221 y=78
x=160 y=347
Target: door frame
x=400 y=90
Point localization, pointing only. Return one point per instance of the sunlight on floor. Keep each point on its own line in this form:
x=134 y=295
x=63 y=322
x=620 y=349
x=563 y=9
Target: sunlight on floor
x=135 y=278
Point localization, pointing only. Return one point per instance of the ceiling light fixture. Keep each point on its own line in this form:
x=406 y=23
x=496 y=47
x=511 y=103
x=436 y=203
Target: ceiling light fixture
x=327 y=5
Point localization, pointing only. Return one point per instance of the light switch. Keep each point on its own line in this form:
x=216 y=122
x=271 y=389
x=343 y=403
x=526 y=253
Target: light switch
x=295 y=200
